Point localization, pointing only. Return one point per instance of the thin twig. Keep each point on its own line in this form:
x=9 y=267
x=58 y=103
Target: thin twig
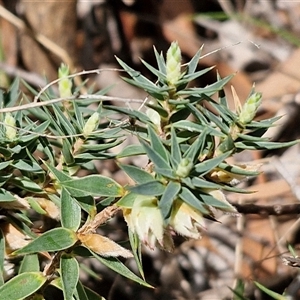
x=73 y=98
x=267 y=210
x=95 y=71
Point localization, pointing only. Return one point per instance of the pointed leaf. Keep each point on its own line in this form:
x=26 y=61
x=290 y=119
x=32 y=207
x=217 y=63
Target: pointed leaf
x=128 y=200
x=30 y=263
x=157 y=144
x=168 y=197
x=59 y=175
x=160 y=61
x=131 y=150
x=188 y=197
x=137 y=174
x=158 y=161
x=70 y=211
x=94 y=185
x=22 y=286
x=150 y=188
x=85 y=293
x=69 y=269
x=193 y=63
x=117 y=266
x=2 y=257
x=6 y=196
x=53 y=240
x=208 y=165
x=175 y=148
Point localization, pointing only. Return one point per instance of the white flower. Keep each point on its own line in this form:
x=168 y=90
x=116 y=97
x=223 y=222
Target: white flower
x=145 y=219
x=186 y=220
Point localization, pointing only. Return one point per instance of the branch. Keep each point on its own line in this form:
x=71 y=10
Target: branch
x=264 y=210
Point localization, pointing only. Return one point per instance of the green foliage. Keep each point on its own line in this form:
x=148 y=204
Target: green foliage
x=48 y=151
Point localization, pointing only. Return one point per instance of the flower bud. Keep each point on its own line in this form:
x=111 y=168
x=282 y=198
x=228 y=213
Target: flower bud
x=65 y=84
x=186 y=220
x=173 y=64
x=250 y=107
x=91 y=124
x=153 y=116
x=184 y=168
x=10 y=123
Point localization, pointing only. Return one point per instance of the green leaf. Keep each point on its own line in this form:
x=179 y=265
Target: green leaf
x=159 y=109
x=137 y=174
x=70 y=211
x=136 y=247
x=100 y=147
x=2 y=257
x=93 y=185
x=238 y=170
x=130 y=113
x=26 y=184
x=160 y=75
x=5 y=164
x=53 y=240
x=189 y=77
x=63 y=121
x=212 y=201
x=196 y=148
x=150 y=188
x=22 y=286
x=30 y=263
x=59 y=175
x=117 y=266
x=84 y=293
x=128 y=200
x=265 y=145
x=188 y=197
x=208 y=165
x=69 y=269
x=66 y=152
x=87 y=203
x=158 y=161
x=168 y=197
x=274 y=295
x=160 y=61
x=157 y=144
x=131 y=150
x=36 y=206
x=193 y=63
x=27 y=165
x=6 y=196
x=239 y=290
x=175 y=149
x=135 y=74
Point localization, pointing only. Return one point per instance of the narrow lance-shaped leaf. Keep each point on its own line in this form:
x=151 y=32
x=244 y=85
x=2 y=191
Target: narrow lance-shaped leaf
x=208 y=165
x=94 y=185
x=117 y=266
x=69 y=269
x=137 y=174
x=53 y=240
x=2 y=257
x=151 y=188
x=22 y=286
x=30 y=263
x=175 y=148
x=70 y=211
x=136 y=247
x=168 y=197
x=158 y=161
x=188 y=197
